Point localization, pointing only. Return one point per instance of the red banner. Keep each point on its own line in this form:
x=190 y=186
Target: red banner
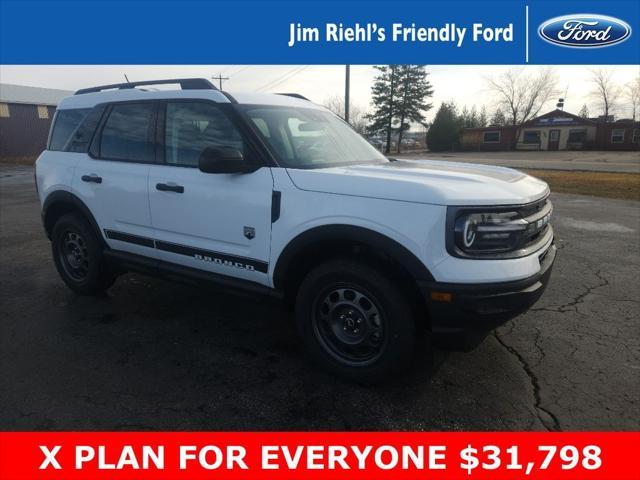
x=315 y=456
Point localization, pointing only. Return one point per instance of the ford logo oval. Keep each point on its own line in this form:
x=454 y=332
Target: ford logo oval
x=584 y=30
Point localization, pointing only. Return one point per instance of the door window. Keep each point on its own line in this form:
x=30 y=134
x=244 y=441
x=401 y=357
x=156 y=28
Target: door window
x=127 y=132
x=191 y=127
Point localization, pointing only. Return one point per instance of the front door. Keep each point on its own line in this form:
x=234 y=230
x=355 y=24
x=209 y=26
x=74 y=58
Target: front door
x=215 y=222
x=554 y=139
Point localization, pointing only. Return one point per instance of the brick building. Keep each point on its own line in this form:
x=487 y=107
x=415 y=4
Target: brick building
x=555 y=130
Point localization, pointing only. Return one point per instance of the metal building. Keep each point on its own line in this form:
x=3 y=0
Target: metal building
x=25 y=118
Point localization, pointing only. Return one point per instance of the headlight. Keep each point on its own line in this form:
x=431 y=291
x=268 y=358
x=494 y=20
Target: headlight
x=502 y=233
x=489 y=232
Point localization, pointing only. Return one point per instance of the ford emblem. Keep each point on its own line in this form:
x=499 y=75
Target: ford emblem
x=584 y=30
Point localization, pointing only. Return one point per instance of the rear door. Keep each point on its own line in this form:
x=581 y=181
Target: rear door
x=112 y=179
x=220 y=223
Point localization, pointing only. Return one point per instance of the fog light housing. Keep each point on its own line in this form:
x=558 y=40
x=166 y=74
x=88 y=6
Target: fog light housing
x=441 y=297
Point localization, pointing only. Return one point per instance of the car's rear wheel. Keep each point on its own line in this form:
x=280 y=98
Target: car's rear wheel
x=77 y=254
x=354 y=321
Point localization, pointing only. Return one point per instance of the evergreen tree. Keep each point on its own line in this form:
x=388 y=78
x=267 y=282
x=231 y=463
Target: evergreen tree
x=444 y=133
x=414 y=89
x=473 y=117
x=463 y=119
x=498 y=118
x=399 y=96
x=482 y=118
x=384 y=96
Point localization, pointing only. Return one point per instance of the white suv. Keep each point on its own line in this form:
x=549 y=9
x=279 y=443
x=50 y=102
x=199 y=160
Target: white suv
x=276 y=195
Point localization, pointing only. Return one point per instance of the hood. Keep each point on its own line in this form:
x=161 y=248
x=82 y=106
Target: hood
x=425 y=181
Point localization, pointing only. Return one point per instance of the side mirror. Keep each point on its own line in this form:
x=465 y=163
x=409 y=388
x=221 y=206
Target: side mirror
x=222 y=160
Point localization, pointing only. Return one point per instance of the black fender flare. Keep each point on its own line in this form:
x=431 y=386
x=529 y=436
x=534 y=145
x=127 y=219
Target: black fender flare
x=60 y=197
x=361 y=235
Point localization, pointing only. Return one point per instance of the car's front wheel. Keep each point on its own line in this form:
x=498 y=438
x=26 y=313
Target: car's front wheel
x=77 y=254
x=355 y=321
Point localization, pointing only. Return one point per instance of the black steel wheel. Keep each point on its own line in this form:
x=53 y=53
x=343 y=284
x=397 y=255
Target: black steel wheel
x=355 y=321
x=349 y=324
x=74 y=255
x=77 y=253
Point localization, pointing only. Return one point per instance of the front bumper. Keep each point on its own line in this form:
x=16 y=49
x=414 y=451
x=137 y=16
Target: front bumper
x=461 y=309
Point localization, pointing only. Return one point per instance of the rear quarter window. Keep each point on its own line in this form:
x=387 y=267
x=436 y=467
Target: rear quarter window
x=64 y=125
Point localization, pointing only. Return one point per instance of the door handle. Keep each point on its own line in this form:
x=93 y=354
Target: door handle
x=169 y=187
x=91 y=178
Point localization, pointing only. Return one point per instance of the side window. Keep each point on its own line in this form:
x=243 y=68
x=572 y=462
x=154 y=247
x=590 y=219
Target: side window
x=65 y=122
x=491 y=137
x=127 y=132
x=190 y=127
x=617 y=135
x=79 y=141
x=531 y=136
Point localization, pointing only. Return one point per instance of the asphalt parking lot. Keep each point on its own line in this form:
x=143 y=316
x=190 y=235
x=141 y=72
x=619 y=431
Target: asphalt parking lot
x=157 y=355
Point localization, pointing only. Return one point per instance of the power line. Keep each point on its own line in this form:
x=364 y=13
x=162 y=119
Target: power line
x=283 y=78
x=276 y=80
x=289 y=77
x=241 y=70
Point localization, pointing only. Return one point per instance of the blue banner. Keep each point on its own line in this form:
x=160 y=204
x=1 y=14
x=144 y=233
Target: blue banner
x=313 y=32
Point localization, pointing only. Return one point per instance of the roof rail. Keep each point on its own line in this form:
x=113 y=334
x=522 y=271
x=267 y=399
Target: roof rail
x=294 y=95
x=185 y=84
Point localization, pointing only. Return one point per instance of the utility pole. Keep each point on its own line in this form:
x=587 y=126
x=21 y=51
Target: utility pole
x=347 y=74
x=220 y=78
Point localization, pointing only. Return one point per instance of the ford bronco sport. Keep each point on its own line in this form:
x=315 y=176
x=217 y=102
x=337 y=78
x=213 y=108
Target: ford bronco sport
x=276 y=195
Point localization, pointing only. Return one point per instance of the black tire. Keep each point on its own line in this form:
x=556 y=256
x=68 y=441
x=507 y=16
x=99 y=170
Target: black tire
x=77 y=253
x=355 y=322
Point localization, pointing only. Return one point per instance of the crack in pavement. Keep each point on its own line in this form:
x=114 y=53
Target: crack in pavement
x=546 y=417
x=536 y=343
x=572 y=305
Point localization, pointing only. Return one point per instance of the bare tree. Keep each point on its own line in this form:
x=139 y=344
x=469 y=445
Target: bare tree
x=633 y=95
x=357 y=114
x=605 y=92
x=523 y=95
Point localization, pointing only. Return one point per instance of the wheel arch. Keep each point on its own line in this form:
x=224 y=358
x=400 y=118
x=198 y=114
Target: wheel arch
x=61 y=202
x=318 y=244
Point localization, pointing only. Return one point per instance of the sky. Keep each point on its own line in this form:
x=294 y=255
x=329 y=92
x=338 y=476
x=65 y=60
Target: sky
x=464 y=84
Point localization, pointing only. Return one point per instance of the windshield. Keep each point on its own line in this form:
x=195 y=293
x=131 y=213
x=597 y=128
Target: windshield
x=310 y=138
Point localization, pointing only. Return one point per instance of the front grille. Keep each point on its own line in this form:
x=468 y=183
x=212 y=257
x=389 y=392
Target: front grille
x=538 y=216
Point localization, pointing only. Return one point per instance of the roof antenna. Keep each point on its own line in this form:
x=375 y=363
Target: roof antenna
x=126 y=78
